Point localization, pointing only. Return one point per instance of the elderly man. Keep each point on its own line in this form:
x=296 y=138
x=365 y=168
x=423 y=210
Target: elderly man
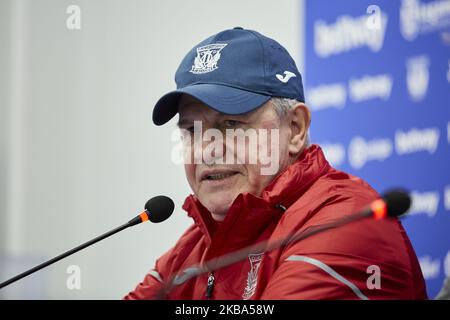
x=259 y=180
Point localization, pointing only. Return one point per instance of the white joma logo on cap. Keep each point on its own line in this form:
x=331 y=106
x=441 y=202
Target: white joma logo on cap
x=207 y=57
x=288 y=75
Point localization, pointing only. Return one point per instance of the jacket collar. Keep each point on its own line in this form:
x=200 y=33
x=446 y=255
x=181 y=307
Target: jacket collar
x=249 y=215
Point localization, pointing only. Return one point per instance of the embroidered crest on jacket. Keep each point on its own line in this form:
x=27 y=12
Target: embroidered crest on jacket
x=252 y=278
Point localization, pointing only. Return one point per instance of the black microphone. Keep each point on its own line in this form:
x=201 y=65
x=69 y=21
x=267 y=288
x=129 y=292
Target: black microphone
x=157 y=209
x=393 y=204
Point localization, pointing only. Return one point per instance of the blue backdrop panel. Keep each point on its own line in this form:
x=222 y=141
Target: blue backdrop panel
x=377 y=80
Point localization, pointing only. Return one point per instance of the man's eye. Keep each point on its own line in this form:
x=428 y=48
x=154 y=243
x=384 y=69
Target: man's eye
x=231 y=123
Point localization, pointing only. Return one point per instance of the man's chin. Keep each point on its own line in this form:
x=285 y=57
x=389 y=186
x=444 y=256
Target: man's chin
x=217 y=208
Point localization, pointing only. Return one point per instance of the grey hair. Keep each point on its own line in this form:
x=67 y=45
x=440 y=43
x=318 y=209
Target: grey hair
x=282 y=106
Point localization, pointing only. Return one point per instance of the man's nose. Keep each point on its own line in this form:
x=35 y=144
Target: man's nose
x=214 y=148
x=209 y=147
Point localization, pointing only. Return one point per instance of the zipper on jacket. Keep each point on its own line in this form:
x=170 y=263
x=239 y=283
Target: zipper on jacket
x=210 y=286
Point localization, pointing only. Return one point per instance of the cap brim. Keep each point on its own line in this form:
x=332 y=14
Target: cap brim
x=222 y=98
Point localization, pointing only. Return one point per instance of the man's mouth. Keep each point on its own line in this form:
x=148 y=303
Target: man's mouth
x=218 y=175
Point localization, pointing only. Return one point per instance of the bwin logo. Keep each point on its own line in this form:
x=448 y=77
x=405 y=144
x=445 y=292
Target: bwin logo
x=207 y=58
x=417 y=77
x=361 y=151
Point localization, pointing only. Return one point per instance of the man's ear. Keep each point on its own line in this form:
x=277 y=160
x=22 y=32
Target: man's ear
x=300 y=118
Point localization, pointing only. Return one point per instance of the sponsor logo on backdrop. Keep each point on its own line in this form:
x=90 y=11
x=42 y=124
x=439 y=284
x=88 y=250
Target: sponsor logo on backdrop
x=415 y=55
x=447 y=264
x=416 y=140
x=417 y=77
x=349 y=33
x=417 y=17
x=334 y=95
x=334 y=152
x=430 y=268
x=447 y=198
x=448 y=71
x=424 y=203
x=361 y=151
x=448 y=132
x=326 y=96
x=370 y=87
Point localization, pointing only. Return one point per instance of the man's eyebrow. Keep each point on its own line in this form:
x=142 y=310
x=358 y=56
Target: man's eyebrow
x=233 y=116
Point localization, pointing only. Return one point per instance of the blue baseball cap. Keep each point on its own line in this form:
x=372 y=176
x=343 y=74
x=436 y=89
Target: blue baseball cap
x=234 y=71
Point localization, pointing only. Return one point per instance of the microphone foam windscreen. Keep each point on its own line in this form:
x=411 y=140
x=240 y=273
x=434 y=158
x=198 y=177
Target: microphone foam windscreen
x=159 y=208
x=397 y=202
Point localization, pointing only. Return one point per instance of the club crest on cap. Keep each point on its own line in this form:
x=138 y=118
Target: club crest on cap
x=207 y=58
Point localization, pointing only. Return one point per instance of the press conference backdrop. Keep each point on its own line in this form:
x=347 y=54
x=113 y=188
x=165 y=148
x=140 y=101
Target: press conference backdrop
x=378 y=83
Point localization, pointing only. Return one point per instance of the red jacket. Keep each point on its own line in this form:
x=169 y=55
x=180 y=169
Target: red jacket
x=335 y=264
